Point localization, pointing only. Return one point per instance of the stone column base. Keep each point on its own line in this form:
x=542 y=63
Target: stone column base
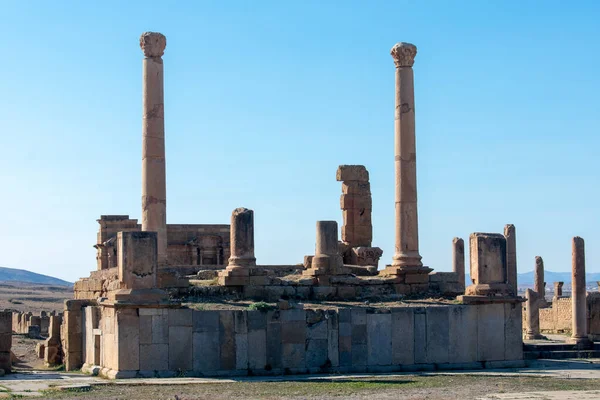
x=534 y=336
x=411 y=274
x=582 y=343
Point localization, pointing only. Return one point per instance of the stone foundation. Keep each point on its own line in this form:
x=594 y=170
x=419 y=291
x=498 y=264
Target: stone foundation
x=148 y=342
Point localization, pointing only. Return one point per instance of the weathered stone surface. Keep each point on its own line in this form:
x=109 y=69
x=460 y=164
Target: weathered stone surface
x=206 y=348
x=274 y=335
x=154 y=357
x=420 y=335
x=316 y=353
x=403 y=340
x=490 y=333
x=180 y=343
x=180 y=317
x=205 y=321
x=138 y=258
x=241 y=354
x=488 y=265
x=160 y=328
x=578 y=295
x=462 y=334
x=437 y=334
x=227 y=340
x=379 y=331
x=127 y=335
x=293 y=355
x=513 y=337
x=257 y=348
x=511 y=258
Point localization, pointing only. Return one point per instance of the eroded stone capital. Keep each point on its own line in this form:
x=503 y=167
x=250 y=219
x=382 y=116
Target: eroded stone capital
x=404 y=54
x=153 y=44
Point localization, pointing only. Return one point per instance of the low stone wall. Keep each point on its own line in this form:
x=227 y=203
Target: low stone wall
x=130 y=342
x=5 y=340
x=22 y=322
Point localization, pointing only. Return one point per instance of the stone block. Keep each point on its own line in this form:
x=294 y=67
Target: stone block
x=241 y=321
x=5 y=342
x=416 y=278
x=257 y=348
x=490 y=333
x=443 y=277
x=180 y=317
x=293 y=355
x=488 y=258
x=206 y=351
x=293 y=332
x=127 y=340
x=317 y=330
x=347 y=292
x=205 y=321
x=345 y=315
x=160 y=329
x=324 y=292
x=137 y=259
x=180 y=348
x=316 y=353
x=6 y=322
x=359 y=316
x=345 y=350
x=463 y=334
x=145 y=329
x=513 y=328
x=352 y=173
x=333 y=347
x=274 y=335
x=293 y=315
x=359 y=355
x=5 y=361
x=359 y=334
x=154 y=357
x=437 y=334
x=356 y=187
x=420 y=336
x=241 y=351
x=403 y=340
x=227 y=340
x=379 y=339
x=356 y=202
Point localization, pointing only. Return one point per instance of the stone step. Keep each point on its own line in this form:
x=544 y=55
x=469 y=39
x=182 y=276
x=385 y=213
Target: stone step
x=555 y=347
x=560 y=354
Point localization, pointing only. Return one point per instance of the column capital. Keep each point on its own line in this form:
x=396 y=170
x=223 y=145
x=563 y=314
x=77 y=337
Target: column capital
x=153 y=44
x=404 y=54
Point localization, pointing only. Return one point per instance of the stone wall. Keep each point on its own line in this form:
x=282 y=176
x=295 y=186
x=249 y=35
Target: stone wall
x=5 y=340
x=187 y=244
x=168 y=342
x=21 y=322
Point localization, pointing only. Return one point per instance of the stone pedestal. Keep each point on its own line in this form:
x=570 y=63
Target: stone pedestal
x=488 y=269
x=532 y=315
x=406 y=257
x=458 y=260
x=242 y=249
x=154 y=188
x=511 y=258
x=578 y=296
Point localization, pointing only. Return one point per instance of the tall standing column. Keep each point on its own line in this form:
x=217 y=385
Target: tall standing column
x=578 y=295
x=406 y=255
x=458 y=260
x=539 y=286
x=242 y=239
x=511 y=258
x=154 y=187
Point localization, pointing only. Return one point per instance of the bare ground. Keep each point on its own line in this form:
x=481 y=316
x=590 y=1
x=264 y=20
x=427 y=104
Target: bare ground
x=435 y=387
x=27 y=297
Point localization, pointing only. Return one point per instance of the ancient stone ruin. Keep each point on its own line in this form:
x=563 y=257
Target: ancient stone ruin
x=127 y=319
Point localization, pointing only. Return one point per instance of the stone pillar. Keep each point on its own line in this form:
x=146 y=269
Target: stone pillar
x=458 y=260
x=578 y=295
x=539 y=284
x=558 y=289
x=242 y=239
x=5 y=340
x=406 y=256
x=532 y=315
x=327 y=260
x=242 y=249
x=154 y=188
x=52 y=350
x=511 y=258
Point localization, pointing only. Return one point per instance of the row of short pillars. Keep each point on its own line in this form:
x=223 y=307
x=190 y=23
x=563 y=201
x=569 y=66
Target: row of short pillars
x=242 y=239
x=578 y=300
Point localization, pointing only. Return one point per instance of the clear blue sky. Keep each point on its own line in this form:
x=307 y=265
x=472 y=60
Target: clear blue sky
x=263 y=100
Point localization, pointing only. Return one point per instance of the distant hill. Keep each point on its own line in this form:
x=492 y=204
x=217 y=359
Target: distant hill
x=21 y=275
